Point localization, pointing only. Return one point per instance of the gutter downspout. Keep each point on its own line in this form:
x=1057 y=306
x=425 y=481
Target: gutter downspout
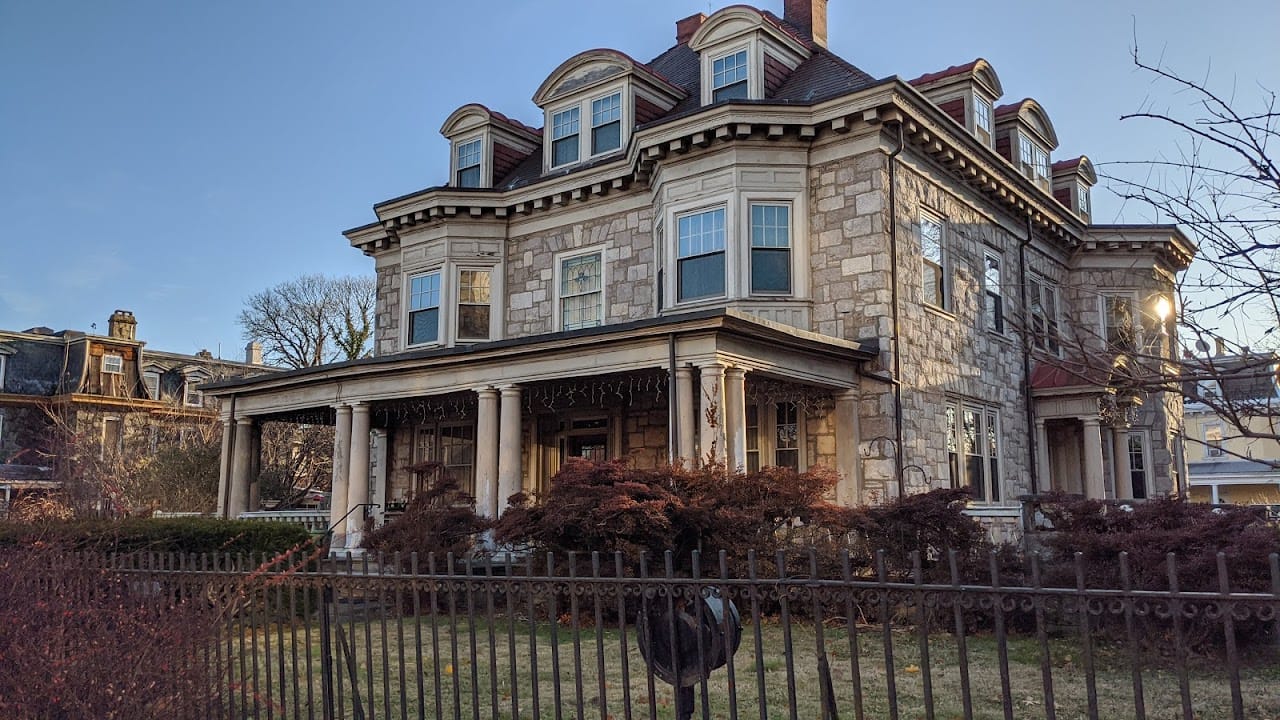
x=893 y=289
x=1032 y=439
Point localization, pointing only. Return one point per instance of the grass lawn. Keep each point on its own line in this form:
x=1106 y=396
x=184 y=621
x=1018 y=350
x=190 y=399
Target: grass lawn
x=469 y=672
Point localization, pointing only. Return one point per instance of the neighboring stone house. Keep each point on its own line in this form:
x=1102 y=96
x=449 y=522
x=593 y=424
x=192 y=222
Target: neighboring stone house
x=1236 y=395
x=96 y=395
x=750 y=250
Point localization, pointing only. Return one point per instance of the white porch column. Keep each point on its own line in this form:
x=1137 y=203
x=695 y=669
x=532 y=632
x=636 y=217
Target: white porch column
x=487 y=452
x=1093 y=484
x=224 y=467
x=358 y=473
x=686 y=416
x=242 y=465
x=1042 y=457
x=849 y=488
x=510 y=435
x=1214 y=498
x=1120 y=453
x=711 y=413
x=341 y=465
x=735 y=418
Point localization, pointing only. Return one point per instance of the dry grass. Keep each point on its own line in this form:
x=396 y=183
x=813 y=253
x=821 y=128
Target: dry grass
x=465 y=677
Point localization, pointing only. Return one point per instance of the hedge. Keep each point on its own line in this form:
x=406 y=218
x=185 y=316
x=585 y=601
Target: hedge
x=176 y=535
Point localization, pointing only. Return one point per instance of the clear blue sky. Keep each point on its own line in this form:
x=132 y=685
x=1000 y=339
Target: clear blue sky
x=173 y=158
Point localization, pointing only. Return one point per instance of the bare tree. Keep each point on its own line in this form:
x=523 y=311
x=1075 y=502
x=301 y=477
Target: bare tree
x=1221 y=184
x=312 y=320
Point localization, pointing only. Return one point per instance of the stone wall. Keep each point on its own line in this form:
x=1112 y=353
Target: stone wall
x=387 y=323
x=627 y=238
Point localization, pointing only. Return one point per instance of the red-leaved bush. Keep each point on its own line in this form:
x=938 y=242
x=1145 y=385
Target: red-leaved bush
x=79 y=641
x=441 y=520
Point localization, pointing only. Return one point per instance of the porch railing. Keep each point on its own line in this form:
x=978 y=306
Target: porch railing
x=315 y=521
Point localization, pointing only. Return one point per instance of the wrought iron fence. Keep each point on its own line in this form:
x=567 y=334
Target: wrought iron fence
x=597 y=637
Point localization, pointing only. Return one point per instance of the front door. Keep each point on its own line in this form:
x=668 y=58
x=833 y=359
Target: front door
x=591 y=447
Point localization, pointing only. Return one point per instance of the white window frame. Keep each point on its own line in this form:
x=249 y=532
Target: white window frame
x=978 y=117
x=189 y=392
x=765 y=437
x=751 y=248
x=723 y=208
x=558 y=279
x=994 y=323
x=119 y=369
x=1145 y=450
x=457 y=303
x=440 y=306
x=1033 y=158
x=584 y=104
x=746 y=52
x=985 y=413
x=944 y=257
x=4 y=359
x=1212 y=451
x=479 y=165
x=591 y=108
x=147 y=374
x=554 y=127
x=1104 y=319
x=1083 y=204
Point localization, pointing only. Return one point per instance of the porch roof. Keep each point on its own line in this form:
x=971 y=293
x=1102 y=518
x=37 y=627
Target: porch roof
x=722 y=321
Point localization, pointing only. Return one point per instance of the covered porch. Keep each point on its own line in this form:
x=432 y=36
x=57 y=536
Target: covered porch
x=501 y=417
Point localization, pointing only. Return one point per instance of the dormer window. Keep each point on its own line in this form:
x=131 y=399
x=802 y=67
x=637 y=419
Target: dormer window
x=1082 y=199
x=468 y=156
x=1035 y=160
x=564 y=137
x=729 y=77
x=606 y=124
x=112 y=364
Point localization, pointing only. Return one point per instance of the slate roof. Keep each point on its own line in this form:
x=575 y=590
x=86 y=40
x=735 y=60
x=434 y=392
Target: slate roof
x=953 y=70
x=823 y=76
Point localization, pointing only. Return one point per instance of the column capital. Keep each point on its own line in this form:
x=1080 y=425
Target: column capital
x=510 y=390
x=714 y=367
x=486 y=391
x=341 y=407
x=245 y=420
x=1092 y=420
x=735 y=371
x=684 y=371
x=360 y=406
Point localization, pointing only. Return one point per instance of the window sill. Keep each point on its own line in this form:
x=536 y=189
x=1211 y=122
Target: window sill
x=940 y=312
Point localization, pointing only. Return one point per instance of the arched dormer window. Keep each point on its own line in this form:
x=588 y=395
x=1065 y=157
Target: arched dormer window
x=1072 y=181
x=968 y=94
x=593 y=101
x=741 y=49
x=486 y=145
x=1025 y=137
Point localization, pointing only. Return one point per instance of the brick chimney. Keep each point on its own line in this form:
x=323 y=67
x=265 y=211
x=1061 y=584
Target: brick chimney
x=122 y=326
x=808 y=16
x=253 y=353
x=687 y=27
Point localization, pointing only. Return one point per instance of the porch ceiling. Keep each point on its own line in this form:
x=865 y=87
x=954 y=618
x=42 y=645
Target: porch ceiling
x=705 y=336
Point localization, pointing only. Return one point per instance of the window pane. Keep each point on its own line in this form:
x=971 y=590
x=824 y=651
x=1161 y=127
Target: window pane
x=982 y=114
x=729 y=70
x=564 y=124
x=701 y=233
x=770 y=226
x=770 y=270
x=580 y=274
x=473 y=322
x=931 y=239
x=606 y=137
x=473 y=286
x=701 y=276
x=424 y=291
x=581 y=311
x=606 y=110
x=424 y=326
x=469 y=177
x=993 y=456
x=564 y=150
x=1137 y=466
x=736 y=91
x=469 y=154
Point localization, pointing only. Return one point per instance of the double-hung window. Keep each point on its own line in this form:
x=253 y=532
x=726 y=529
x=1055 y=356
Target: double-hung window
x=700 y=255
x=468 y=164
x=729 y=77
x=581 y=291
x=564 y=137
x=1035 y=160
x=474 y=297
x=1213 y=441
x=151 y=380
x=770 y=249
x=1082 y=199
x=1137 y=448
x=191 y=396
x=113 y=364
x=774 y=434
x=973 y=449
x=424 y=308
x=1118 y=325
x=1042 y=297
x=786 y=450
x=982 y=116
x=993 y=307
x=934 y=285
x=606 y=124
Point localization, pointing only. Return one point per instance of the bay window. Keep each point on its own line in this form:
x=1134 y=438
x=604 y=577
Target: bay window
x=424 y=308
x=700 y=264
x=474 y=298
x=770 y=249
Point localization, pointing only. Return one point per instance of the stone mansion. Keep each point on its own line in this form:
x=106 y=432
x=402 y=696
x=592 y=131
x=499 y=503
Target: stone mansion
x=747 y=249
